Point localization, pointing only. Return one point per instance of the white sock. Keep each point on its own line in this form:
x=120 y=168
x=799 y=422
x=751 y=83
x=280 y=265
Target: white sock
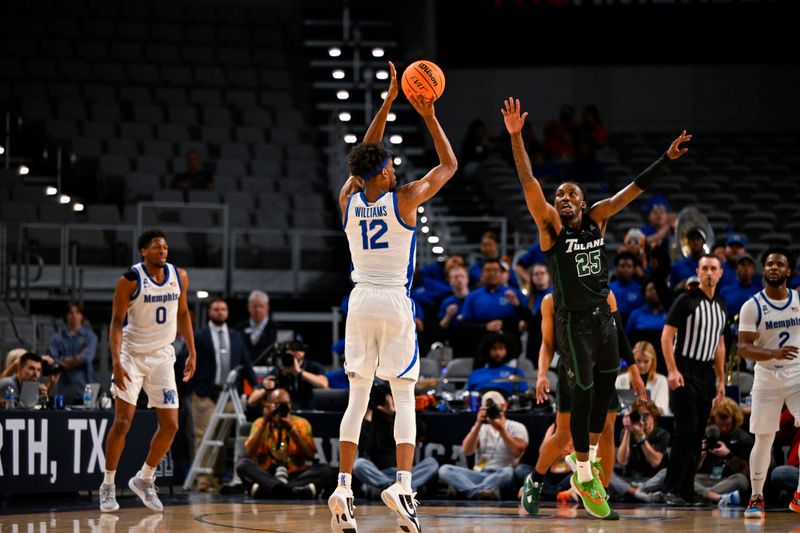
x=404 y=479
x=593 y=452
x=584 y=471
x=147 y=472
x=345 y=479
x=108 y=479
x=759 y=462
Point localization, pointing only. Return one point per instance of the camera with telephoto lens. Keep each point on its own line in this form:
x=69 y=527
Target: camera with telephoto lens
x=281 y=355
x=492 y=411
x=51 y=370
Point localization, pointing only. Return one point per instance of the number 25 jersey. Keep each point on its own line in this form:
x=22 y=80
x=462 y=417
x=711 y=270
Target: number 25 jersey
x=152 y=319
x=382 y=246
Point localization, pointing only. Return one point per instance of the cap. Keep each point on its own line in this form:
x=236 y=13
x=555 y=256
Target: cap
x=692 y=279
x=699 y=231
x=496 y=398
x=634 y=233
x=736 y=238
x=745 y=257
x=656 y=201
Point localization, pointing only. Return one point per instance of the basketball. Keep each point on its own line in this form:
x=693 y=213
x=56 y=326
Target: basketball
x=423 y=77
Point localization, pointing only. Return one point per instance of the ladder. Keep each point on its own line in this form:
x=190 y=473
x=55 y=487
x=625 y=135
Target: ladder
x=217 y=431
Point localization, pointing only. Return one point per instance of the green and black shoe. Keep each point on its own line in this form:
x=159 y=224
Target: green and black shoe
x=530 y=495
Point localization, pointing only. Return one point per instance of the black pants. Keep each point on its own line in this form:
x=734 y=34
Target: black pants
x=690 y=405
x=322 y=476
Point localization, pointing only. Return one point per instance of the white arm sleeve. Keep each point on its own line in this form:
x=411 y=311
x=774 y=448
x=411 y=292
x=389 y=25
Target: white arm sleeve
x=749 y=316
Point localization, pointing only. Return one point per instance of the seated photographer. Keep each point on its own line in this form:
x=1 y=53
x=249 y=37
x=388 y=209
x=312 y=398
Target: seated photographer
x=293 y=372
x=642 y=454
x=723 y=474
x=29 y=368
x=494 y=351
x=73 y=350
x=499 y=443
x=376 y=465
x=279 y=454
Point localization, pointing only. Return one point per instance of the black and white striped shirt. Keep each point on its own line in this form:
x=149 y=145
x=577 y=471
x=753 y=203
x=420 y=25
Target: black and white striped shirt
x=700 y=322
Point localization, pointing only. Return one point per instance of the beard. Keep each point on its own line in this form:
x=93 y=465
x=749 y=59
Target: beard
x=775 y=283
x=217 y=322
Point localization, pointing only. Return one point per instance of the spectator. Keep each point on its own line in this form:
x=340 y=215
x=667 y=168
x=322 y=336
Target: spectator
x=259 y=330
x=687 y=266
x=625 y=287
x=642 y=454
x=559 y=135
x=722 y=476
x=377 y=463
x=525 y=261
x=293 y=372
x=541 y=285
x=461 y=339
x=591 y=129
x=635 y=243
x=195 y=177
x=786 y=477
x=645 y=355
x=494 y=350
x=73 y=348
x=734 y=249
x=736 y=294
x=646 y=322
x=29 y=368
x=477 y=145
x=499 y=444
x=439 y=270
x=279 y=454
x=658 y=232
x=12 y=362
x=490 y=249
x=494 y=306
x=219 y=349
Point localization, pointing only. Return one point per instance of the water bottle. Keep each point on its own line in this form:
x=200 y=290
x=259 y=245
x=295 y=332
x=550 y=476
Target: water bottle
x=10 y=397
x=474 y=401
x=87 y=397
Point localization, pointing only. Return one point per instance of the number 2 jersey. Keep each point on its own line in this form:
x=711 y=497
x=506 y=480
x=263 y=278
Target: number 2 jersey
x=382 y=246
x=579 y=268
x=152 y=319
x=776 y=324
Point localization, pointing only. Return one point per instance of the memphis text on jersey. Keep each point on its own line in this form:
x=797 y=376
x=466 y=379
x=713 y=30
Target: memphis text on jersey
x=161 y=298
x=376 y=211
x=782 y=324
x=573 y=245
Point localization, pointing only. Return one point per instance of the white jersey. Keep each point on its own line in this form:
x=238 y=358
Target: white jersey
x=775 y=323
x=382 y=246
x=152 y=319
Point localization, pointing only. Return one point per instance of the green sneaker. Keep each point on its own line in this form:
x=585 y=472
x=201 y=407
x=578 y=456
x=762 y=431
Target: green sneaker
x=530 y=495
x=593 y=500
x=597 y=470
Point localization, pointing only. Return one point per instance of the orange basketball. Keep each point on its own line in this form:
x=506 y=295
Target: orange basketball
x=423 y=77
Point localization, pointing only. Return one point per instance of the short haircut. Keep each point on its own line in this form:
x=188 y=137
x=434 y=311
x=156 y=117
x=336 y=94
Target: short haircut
x=257 y=294
x=578 y=185
x=366 y=158
x=215 y=300
x=147 y=237
x=624 y=255
x=490 y=235
x=710 y=256
x=29 y=356
x=785 y=252
x=490 y=261
x=648 y=404
x=73 y=304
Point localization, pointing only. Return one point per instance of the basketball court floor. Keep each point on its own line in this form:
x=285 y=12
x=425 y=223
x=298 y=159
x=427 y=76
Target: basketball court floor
x=223 y=514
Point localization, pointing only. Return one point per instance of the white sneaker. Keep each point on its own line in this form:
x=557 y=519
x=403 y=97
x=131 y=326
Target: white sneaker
x=404 y=505
x=108 y=498
x=343 y=518
x=147 y=491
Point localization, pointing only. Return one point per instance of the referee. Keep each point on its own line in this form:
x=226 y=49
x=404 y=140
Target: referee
x=694 y=350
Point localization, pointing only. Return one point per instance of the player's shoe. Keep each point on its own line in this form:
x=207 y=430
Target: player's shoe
x=794 y=505
x=108 y=498
x=147 y=491
x=404 y=505
x=594 y=501
x=597 y=469
x=530 y=495
x=343 y=519
x=755 y=508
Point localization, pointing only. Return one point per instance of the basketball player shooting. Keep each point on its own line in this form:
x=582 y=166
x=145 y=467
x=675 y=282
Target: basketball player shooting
x=149 y=307
x=572 y=241
x=380 y=338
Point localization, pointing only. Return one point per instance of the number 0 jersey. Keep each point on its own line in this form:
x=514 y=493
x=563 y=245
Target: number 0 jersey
x=152 y=319
x=775 y=323
x=382 y=246
x=579 y=268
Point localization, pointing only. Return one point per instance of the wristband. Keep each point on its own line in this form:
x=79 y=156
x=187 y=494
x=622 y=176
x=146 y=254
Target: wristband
x=646 y=178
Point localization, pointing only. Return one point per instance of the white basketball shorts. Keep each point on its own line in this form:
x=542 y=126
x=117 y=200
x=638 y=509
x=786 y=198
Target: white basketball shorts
x=380 y=334
x=155 y=373
x=772 y=387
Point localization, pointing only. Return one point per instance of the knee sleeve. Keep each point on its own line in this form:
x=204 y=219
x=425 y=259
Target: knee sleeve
x=350 y=428
x=405 y=418
x=604 y=391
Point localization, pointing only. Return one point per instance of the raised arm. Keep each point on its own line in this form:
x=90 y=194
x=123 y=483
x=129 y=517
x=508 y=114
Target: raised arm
x=543 y=213
x=605 y=209
x=410 y=196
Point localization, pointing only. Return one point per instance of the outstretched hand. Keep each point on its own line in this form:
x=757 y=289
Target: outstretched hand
x=675 y=150
x=391 y=94
x=511 y=116
x=422 y=104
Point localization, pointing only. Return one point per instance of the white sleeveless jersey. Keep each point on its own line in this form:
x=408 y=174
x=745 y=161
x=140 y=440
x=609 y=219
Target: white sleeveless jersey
x=776 y=324
x=152 y=320
x=382 y=246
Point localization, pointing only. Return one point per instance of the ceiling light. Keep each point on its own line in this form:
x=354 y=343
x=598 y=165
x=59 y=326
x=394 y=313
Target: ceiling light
x=423 y=220
x=420 y=209
x=342 y=95
x=377 y=52
x=350 y=138
x=23 y=170
x=433 y=239
x=437 y=250
x=2 y=150
x=398 y=161
x=344 y=116
x=50 y=191
x=425 y=229
x=338 y=74
x=383 y=95
x=202 y=294
x=77 y=206
x=64 y=199
x=334 y=51
x=382 y=75
x=391 y=117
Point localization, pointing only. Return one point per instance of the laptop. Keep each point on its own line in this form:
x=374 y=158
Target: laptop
x=29 y=394
x=627 y=397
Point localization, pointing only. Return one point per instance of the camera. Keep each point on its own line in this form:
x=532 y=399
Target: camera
x=52 y=370
x=712 y=437
x=635 y=417
x=281 y=356
x=282 y=410
x=492 y=411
